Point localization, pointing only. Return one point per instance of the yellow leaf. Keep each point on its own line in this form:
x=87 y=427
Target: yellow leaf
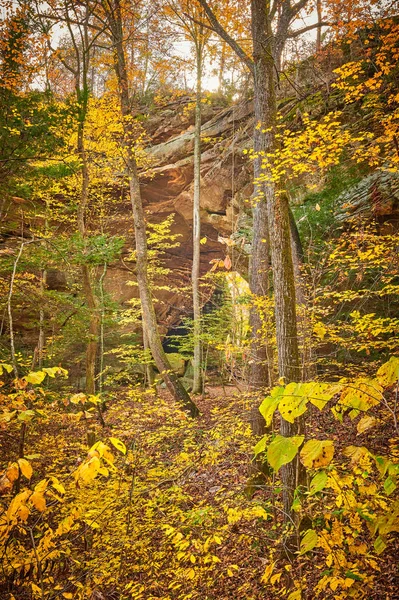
x=88 y=471
x=268 y=571
x=317 y=207
x=215 y=559
x=317 y=453
x=283 y=450
x=38 y=500
x=16 y=503
x=119 y=445
x=5 y=367
x=78 y=398
x=36 y=589
x=356 y=453
x=58 y=486
x=309 y=541
x=35 y=378
x=320 y=330
x=388 y=373
x=26 y=468
x=41 y=486
x=363 y=394
x=203 y=240
x=67 y=595
x=276 y=578
x=365 y=423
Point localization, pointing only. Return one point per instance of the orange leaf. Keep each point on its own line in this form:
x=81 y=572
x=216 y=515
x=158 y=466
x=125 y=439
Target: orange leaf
x=38 y=500
x=26 y=467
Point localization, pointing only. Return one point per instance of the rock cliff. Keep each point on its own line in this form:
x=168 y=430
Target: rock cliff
x=167 y=188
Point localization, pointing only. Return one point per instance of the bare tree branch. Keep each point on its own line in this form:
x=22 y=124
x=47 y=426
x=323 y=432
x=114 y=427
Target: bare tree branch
x=217 y=28
x=298 y=32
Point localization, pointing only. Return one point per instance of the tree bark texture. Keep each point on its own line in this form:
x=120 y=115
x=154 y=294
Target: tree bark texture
x=195 y=273
x=267 y=57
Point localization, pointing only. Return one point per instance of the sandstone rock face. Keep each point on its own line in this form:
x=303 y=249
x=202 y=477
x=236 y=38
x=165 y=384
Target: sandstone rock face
x=167 y=188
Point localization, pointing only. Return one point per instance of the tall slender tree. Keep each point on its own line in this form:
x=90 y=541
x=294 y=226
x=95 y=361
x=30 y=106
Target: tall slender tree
x=189 y=16
x=271 y=26
x=113 y=16
x=78 y=21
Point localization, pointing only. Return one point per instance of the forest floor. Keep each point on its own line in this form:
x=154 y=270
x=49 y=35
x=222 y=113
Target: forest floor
x=178 y=518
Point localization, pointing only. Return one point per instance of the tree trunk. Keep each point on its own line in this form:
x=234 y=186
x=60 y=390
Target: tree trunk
x=271 y=213
x=91 y=301
x=149 y=370
x=102 y=328
x=172 y=382
x=319 y=20
x=9 y=310
x=286 y=331
x=261 y=374
x=277 y=220
x=38 y=353
x=195 y=274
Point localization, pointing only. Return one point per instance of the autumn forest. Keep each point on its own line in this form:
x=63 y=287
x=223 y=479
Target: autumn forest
x=199 y=299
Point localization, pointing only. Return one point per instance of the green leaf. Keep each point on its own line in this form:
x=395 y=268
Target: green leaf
x=296 y=504
x=26 y=415
x=309 y=541
x=270 y=404
x=261 y=445
x=5 y=367
x=294 y=398
x=318 y=483
x=388 y=373
x=317 y=453
x=389 y=486
x=283 y=450
x=382 y=464
x=354 y=576
x=119 y=445
x=35 y=377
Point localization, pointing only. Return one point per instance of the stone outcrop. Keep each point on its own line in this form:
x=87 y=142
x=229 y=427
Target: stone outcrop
x=167 y=188
x=374 y=197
